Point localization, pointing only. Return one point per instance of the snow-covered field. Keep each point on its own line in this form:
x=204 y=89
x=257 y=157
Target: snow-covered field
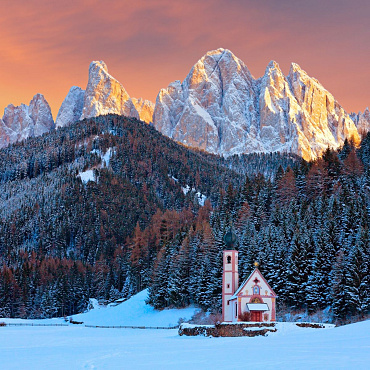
x=79 y=347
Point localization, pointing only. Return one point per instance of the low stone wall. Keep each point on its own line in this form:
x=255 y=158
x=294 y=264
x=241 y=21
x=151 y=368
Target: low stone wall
x=228 y=330
x=310 y=325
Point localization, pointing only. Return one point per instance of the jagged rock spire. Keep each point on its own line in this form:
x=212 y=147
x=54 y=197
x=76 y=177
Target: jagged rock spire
x=220 y=107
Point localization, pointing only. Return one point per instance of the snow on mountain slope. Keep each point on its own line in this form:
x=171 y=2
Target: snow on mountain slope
x=71 y=108
x=212 y=108
x=135 y=312
x=221 y=108
x=105 y=95
x=4 y=134
x=24 y=121
x=17 y=124
x=362 y=121
x=87 y=176
x=40 y=113
x=321 y=120
x=145 y=109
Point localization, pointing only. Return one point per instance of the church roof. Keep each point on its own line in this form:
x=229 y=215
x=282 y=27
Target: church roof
x=235 y=295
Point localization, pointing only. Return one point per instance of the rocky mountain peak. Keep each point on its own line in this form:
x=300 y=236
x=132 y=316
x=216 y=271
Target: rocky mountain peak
x=17 y=119
x=273 y=66
x=105 y=95
x=200 y=112
x=98 y=65
x=218 y=52
x=221 y=108
x=328 y=124
x=273 y=75
x=21 y=122
x=294 y=67
x=217 y=66
x=362 y=121
x=145 y=108
x=40 y=113
x=71 y=108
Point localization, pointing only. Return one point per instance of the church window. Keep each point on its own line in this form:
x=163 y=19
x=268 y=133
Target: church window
x=236 y=310
x=228 y=259
x=256 y=290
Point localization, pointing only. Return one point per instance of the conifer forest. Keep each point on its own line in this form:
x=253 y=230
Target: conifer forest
x=154 y=213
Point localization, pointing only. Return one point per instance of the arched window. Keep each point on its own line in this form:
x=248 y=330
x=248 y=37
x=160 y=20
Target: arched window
x=228 y=259
x=256 y=290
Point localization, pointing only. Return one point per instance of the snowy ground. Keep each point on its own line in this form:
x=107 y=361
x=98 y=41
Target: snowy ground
x=133 y=312
x=136 y=313
x=79 y=347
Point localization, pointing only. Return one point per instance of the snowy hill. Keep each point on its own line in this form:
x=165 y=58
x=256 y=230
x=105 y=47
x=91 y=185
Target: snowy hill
x=135 y=312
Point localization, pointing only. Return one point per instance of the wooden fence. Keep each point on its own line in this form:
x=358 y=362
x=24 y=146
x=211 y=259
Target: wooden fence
x=31 y=324
x=130 y=327
x=97 y=326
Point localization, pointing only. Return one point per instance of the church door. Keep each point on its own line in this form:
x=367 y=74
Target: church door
x=256 y=316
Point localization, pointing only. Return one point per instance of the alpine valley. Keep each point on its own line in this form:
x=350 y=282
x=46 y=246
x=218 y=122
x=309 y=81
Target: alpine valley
x=118 y=194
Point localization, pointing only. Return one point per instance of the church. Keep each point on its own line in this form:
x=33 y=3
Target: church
x=253 y=301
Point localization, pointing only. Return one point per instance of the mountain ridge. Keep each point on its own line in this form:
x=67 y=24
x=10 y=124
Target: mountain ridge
x=231 y=112
x=20 y=122
x=221 y=108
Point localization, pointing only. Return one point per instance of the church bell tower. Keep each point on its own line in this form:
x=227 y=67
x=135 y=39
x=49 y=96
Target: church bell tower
x=230 y=275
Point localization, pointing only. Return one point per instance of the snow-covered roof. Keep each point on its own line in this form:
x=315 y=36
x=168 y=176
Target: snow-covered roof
x=258 y=307
x=235 y=295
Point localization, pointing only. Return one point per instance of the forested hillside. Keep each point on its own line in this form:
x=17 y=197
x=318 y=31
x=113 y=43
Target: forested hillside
x=63 y=238
x=109 y=206
x=309 y=229
x=265 y=164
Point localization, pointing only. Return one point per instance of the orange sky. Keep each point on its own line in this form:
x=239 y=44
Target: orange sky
x=46 y=46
